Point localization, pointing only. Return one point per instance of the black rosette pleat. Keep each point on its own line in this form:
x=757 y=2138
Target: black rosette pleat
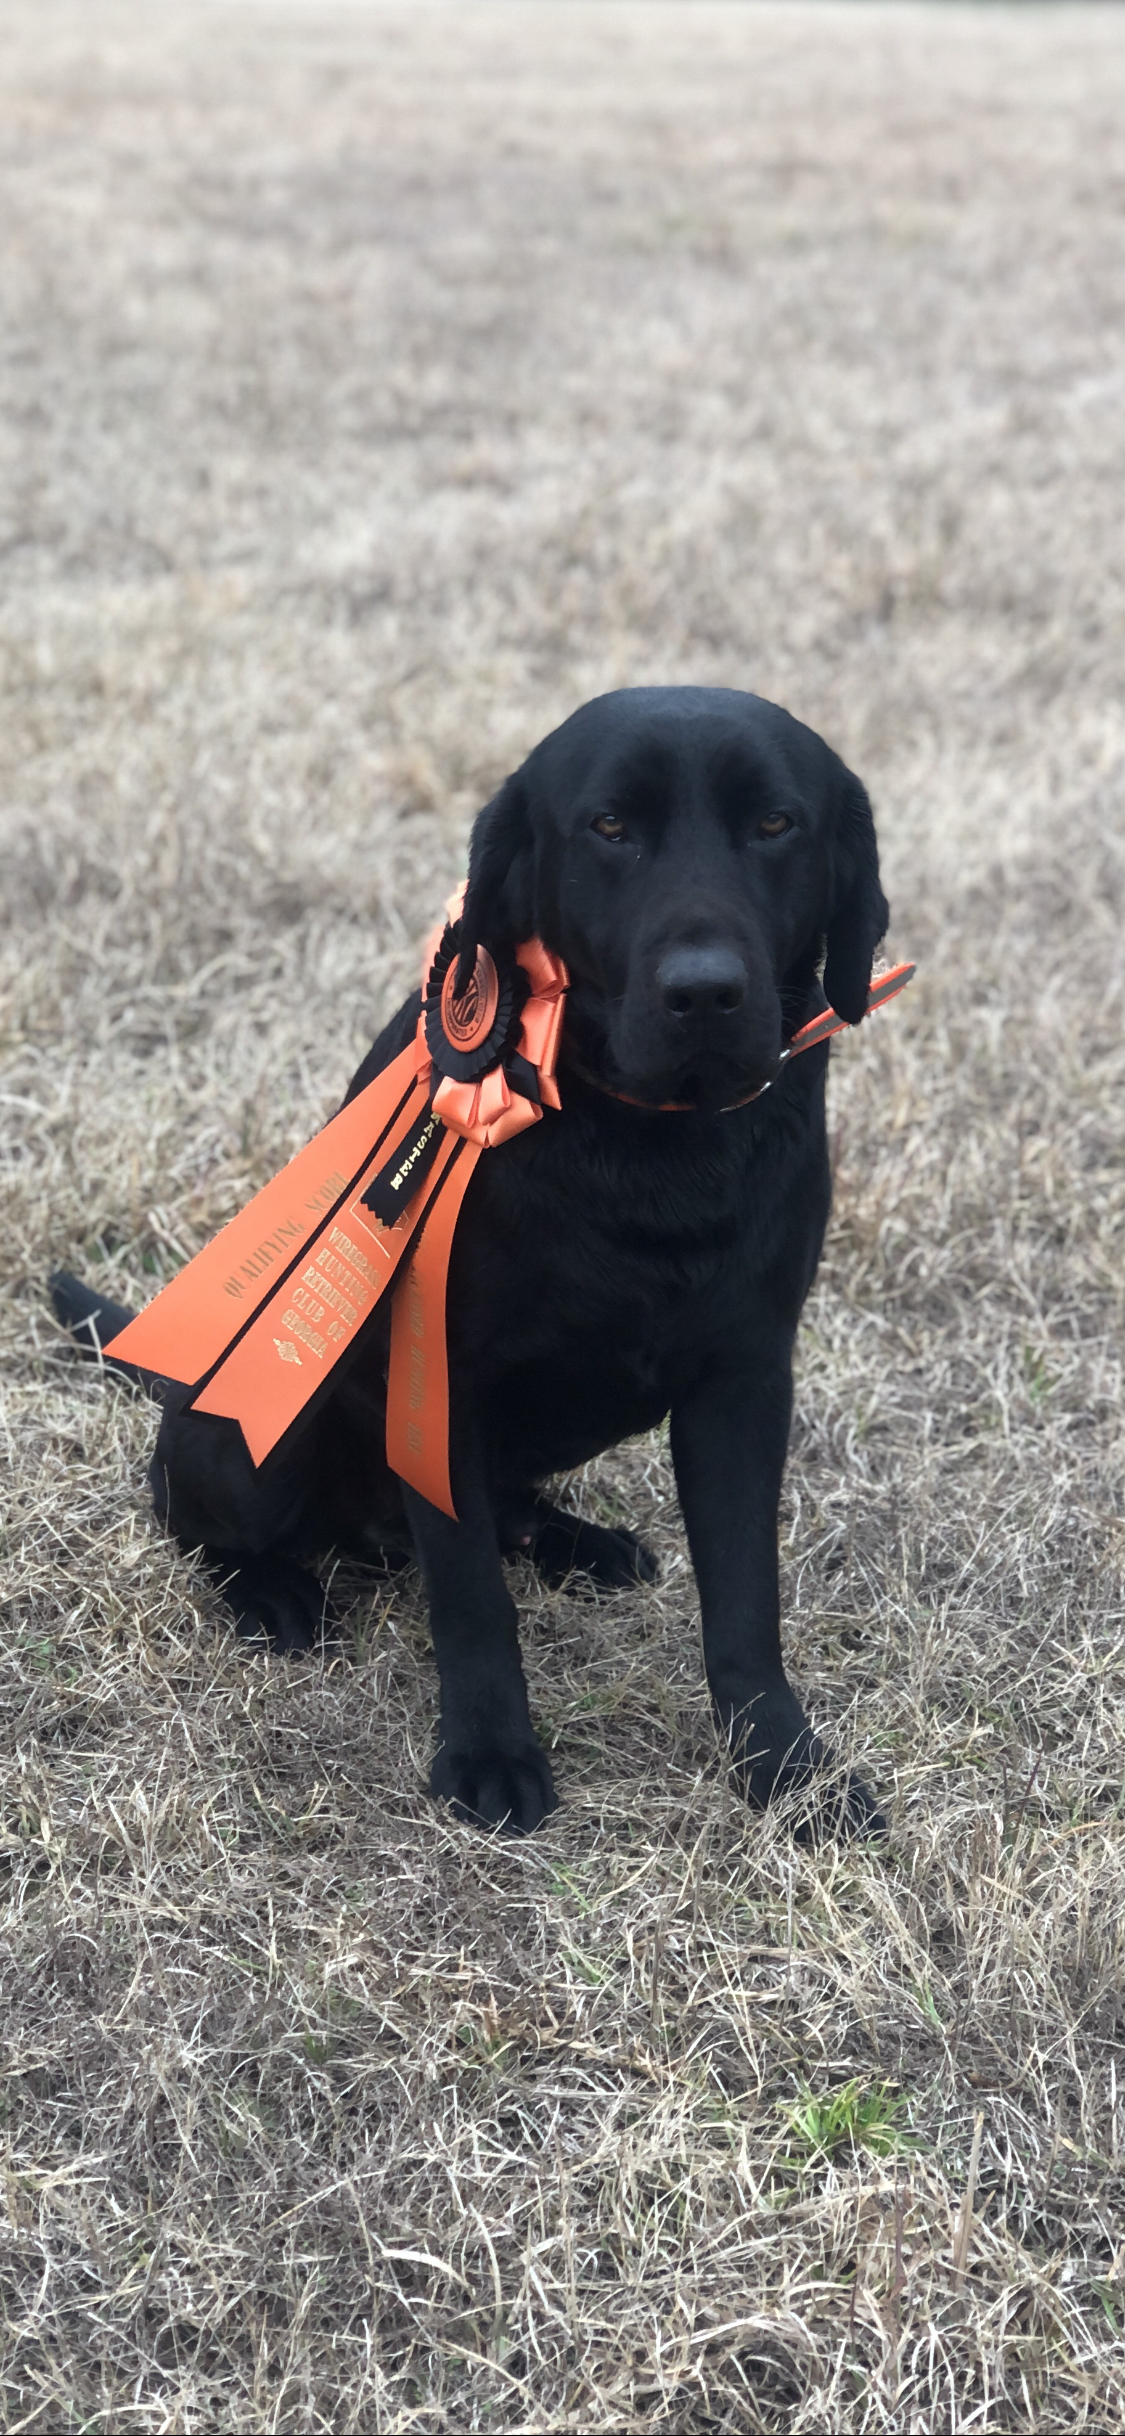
x=468 y=1063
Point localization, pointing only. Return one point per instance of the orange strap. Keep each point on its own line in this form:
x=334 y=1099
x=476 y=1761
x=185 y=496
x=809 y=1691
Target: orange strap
x=827 y=1023
x=418 y=1384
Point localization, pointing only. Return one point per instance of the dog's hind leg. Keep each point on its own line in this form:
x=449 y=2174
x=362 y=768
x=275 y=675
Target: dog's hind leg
x=209 y=1494
x=249 y=1522
x=562 y=1544
x=271 y=1597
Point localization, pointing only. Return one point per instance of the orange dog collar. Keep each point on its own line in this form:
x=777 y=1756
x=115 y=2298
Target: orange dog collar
x=258 y=1321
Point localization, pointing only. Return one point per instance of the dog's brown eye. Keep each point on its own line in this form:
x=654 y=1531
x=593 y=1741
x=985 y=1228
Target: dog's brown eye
x=609 y=826
x=774 y=824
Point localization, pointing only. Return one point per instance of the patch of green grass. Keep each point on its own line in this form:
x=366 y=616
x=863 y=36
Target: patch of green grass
x=1110 y=2297
x=1037 y=1377
x=565 y=1882
x=927 y=2004
x=821 y=2124
x=37 y=1651
x=592 y=1972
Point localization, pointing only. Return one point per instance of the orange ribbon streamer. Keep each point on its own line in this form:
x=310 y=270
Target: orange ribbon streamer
x=418 y=1380
x=258 y=1321
x=202 y=1314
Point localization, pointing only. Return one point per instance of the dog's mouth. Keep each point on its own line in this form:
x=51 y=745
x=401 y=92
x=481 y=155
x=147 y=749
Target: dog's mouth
x=707 y=1090
x=696 y=1091
x=706 y=1077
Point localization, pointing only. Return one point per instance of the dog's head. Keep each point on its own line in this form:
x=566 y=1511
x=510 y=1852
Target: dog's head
x=691 y=853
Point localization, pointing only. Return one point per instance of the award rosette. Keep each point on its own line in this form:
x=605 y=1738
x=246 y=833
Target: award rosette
x=260 y=1319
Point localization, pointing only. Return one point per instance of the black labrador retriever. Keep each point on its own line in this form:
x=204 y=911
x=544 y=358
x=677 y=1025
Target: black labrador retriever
x=692 y=854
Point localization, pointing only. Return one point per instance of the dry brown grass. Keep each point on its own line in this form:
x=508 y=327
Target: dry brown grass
x=378 y=385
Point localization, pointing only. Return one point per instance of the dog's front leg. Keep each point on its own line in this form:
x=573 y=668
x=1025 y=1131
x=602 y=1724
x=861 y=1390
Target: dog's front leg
x=729 y=1436
x=488 y=1762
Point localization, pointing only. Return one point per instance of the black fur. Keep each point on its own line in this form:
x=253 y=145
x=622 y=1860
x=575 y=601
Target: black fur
x=613 y=1264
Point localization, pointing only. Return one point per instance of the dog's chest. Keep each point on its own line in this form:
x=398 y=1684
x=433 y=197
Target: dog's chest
x=591 y=1281
x=583 y=1283
x=579 y=1357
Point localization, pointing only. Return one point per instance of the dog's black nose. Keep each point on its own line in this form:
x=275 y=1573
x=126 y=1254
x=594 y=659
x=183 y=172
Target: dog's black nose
x=701 y=981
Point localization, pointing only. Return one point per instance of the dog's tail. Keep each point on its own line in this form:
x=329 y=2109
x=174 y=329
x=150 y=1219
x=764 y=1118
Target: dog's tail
x=93 y=1322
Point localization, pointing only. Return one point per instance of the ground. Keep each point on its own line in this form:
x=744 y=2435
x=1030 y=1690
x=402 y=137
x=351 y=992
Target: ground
x=377 y=384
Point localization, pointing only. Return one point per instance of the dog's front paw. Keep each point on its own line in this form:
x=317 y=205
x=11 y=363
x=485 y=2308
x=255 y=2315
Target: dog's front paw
x=826 y=1808
x=492 y=1787
x=844 y=1808
x=778 y=1758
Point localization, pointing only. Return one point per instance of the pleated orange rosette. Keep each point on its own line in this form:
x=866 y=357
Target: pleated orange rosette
x=489 y=1111
x=259 y=1320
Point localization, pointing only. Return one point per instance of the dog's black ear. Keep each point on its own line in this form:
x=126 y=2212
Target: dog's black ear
x=860 y=912
x=499 y=896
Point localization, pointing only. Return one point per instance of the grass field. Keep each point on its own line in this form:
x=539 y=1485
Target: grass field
x=377 y=384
